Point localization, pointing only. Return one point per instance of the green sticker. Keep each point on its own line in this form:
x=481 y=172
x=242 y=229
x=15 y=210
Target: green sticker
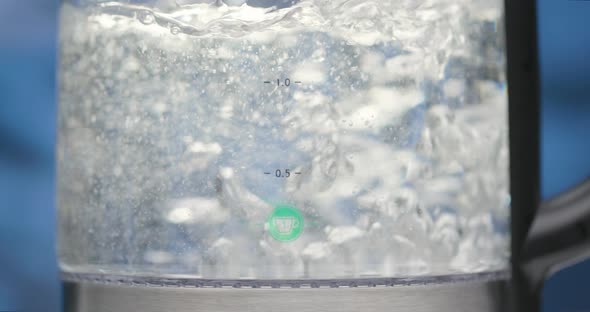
x=285 y=223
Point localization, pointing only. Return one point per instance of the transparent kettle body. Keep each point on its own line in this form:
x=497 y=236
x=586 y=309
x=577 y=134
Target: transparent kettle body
x=282 y=140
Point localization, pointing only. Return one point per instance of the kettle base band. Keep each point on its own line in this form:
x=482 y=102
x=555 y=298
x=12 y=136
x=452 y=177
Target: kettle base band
x=484 y=295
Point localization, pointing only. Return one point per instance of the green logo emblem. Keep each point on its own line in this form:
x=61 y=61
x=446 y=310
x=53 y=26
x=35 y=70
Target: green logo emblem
x=285 y=223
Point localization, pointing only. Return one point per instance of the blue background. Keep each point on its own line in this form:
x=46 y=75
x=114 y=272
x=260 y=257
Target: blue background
x=28 y=273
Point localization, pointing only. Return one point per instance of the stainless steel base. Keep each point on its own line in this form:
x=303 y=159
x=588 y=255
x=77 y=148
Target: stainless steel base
x=474 y=295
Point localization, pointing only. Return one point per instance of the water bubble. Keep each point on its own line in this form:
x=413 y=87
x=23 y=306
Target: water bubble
x=234 y=2
x=175 y=30
x=146 y=17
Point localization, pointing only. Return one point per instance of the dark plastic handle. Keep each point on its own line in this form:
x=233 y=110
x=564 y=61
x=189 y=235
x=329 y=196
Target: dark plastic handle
x=559 y=235
x=548 y=236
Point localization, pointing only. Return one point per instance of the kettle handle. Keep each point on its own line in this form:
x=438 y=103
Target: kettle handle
x=546 y=236
x=559 y=235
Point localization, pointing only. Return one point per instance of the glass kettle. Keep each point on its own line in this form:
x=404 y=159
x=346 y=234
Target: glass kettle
x=306 y=155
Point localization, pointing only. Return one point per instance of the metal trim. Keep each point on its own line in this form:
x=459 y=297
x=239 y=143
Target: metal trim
x=176 y=281
x=463 y=296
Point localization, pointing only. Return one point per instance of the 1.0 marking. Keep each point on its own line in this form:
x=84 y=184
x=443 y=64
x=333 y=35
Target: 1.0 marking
x=283 y=82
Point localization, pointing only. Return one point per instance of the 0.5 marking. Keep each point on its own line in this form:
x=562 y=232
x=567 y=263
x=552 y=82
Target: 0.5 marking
x=282 y=173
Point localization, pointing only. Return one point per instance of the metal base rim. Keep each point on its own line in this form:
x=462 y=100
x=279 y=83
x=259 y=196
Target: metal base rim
x=183 y=281
x=468 y=296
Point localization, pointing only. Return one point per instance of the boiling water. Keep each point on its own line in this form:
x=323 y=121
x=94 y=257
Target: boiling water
x=379 y=126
